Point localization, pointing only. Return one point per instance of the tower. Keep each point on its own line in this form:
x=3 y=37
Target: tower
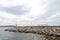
x=16 y=25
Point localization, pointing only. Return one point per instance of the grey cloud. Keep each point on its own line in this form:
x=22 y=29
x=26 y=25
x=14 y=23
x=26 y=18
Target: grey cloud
x=55 y=18
x=53 y=8
x=2 y=19
x=17 y=10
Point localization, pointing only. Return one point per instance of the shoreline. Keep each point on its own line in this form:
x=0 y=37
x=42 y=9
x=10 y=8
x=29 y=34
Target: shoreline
x=44 y=30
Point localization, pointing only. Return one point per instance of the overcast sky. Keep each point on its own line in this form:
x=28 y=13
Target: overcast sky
x=30 y=12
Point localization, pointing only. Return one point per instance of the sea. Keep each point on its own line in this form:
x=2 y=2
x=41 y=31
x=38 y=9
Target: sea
x=6 y=35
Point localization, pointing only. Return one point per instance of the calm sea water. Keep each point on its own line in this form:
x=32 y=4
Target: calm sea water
x=5 y=35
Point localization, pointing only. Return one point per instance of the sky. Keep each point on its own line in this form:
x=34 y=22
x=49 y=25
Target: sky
x=30 y=12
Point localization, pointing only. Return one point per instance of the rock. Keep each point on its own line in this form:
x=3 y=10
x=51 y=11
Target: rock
x=45 y=30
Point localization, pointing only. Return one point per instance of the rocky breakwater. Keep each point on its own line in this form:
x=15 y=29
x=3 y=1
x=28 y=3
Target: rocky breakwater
x=45 y=30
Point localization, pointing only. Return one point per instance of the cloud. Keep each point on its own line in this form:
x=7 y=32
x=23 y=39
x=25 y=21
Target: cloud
x=25 y=12
x=6 y=18
x=51 y=15
x=17 y=10
x=8 y=3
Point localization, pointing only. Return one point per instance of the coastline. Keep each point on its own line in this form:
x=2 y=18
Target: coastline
x=49 y=32
x=44 y=30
